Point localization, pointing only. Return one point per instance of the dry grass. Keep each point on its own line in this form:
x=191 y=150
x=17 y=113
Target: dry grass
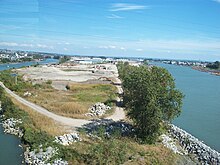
x=40 y=121
x=151 y=154
x=136 y=154
x=74 y=102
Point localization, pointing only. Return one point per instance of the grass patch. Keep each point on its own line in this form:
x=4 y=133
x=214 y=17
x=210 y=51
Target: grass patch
x=74 y=102
x=93 y=92
x=120 y=150
x=40 y=122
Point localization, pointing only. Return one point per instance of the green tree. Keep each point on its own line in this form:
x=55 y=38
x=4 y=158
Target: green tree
x=145 y=62
x=64 y=59
x=150 y=98
x=215 y=65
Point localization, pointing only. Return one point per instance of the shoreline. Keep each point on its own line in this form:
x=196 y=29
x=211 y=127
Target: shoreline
x=193 y=146
x=210 y=71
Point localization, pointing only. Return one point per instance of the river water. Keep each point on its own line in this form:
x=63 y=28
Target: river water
x=10 y=152
x=201 y=107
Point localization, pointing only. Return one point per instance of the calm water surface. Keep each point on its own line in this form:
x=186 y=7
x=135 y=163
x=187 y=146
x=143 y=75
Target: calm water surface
x=10 y=152
x=201 y=108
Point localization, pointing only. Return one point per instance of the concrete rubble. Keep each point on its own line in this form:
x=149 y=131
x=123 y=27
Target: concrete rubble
x=42 y=157
x=67 y=139
x=108 y=127
x=203 y=153
x=10 y=127
x=98 y=109
x=170 y=143
x=26 y=94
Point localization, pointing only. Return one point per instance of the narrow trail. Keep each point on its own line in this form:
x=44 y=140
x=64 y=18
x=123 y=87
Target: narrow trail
x=118 y=115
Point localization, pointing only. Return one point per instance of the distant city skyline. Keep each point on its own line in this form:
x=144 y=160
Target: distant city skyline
x=168 y=29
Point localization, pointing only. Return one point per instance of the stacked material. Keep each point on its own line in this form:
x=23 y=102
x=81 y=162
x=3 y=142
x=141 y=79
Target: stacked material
x=10 y=127
x=192 y=145
x=67 y=139
x=98 y=109
x=42 y=157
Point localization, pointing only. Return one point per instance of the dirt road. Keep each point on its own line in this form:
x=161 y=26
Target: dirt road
x=118 y=115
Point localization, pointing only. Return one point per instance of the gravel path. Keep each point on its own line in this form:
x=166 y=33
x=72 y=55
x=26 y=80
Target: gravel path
x=118 y=115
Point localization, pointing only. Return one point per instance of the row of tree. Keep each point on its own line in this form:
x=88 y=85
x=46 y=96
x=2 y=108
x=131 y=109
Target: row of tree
x=215 y=65
x=150 y=97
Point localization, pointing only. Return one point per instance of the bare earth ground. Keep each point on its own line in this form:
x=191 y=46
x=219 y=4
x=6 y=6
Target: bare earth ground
x=79 y=73
x=60 y=77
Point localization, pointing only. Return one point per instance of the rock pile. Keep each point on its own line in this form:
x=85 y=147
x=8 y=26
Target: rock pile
x=169 y=143
x=67 y=139
x=192 y=145
x=123 y=128
x=98 y=109
x=42 y=157
x=26 y=94
x=10 y=127
x=110 y=127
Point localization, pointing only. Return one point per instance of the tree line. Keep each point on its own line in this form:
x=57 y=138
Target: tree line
x=215 y=65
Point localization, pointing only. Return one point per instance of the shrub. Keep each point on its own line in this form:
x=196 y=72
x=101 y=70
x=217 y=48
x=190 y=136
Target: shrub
x=109 y=151
x=68 y=87
x=49 y=82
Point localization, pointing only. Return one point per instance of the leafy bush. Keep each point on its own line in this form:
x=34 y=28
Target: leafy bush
x=15 y=83
x=49 y=82
x=68 y=87
x=34 y=138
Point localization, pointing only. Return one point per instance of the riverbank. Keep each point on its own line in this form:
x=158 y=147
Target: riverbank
x=200 y=105
x=11 y=144
x=39 y=146
x=211 y=71
x=194 y=147
x=11 y=153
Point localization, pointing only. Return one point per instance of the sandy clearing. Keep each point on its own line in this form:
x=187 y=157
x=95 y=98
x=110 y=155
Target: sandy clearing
x=80 y=73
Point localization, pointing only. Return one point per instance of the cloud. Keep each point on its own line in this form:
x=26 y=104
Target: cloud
x=14 y=44
x=8 y=44
x=122 y=48
x=44 y=46
x=26 y=45
x=114 y=16
x=217 y=1
x=112 y=47
x=139 y=50
x=126 y=7
x=9 y=27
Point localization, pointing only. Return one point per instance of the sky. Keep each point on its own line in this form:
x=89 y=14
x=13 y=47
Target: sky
x=169 y=29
